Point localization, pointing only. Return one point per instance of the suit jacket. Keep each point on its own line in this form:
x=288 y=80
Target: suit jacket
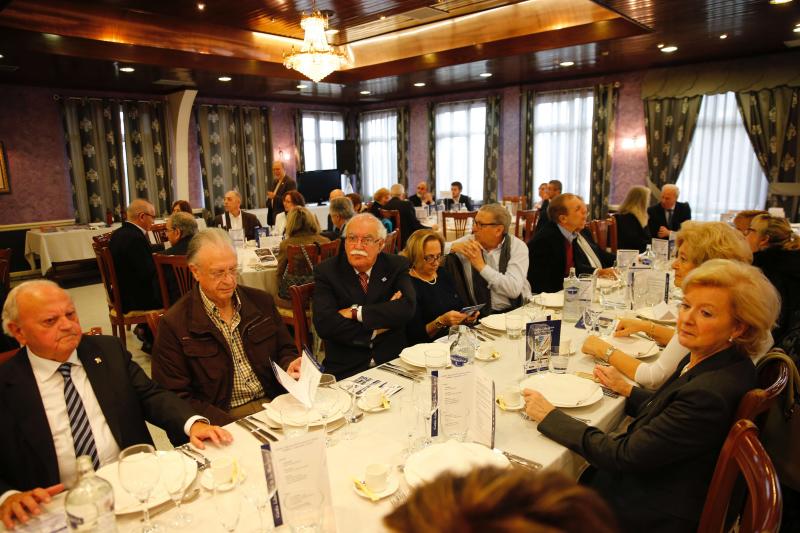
x=416 y=201
x=136 y=272
x=656 y=474
x=544 y=218
x=548 y=260
x=275 y=205
x=631 y=235
x=408 y=218
x=463 y=199
x=249 y=223
x=126 y=395
x=658 y=217
x=349 y=345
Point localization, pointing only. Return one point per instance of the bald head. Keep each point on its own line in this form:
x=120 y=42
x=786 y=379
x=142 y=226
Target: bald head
x=336 y=193
x=142 y=213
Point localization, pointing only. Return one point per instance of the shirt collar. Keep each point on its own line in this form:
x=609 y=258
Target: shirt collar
x=368 y=272
x=212 y=309
x=570 y=236
x=44 y=369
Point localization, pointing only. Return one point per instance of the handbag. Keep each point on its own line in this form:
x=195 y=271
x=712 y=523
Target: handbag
x=288 y=280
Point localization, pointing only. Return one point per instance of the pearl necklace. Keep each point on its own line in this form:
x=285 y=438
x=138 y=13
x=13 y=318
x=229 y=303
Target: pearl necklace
x=416 y=275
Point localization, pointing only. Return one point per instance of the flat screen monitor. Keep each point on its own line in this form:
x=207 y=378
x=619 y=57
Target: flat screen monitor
x=316 y=185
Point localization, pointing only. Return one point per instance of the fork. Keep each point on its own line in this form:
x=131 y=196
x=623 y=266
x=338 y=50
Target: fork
x=399 y=497
x=203 y=462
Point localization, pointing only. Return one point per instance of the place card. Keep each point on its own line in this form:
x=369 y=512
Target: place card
x=662 y=311
x=466 y=404
x=537 y=328
x=361 y=383
x=626 y=258
x=305 y=387
x=661 y=249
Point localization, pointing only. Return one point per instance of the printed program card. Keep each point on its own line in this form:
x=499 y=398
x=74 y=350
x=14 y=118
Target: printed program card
x=466 y=404
x=305 y=387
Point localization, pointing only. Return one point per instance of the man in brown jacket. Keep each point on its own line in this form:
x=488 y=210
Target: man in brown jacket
x=215 y=344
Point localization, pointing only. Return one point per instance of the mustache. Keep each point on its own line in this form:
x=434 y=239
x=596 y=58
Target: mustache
x=362 y=253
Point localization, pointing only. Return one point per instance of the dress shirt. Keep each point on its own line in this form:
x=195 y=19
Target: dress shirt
x=587 y=250
x=236 y=222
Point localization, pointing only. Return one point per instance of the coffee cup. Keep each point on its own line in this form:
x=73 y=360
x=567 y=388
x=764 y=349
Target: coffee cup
x=377 y=477
x=373 y=397
x=511 y=397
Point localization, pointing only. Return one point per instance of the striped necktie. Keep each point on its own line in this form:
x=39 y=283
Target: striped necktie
x=364 y=279
x=82 y=436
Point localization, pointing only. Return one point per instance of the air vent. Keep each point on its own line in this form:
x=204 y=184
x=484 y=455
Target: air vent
x=424 y=13
x=8 y=68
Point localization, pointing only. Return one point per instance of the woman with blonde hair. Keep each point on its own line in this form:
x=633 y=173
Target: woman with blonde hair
x=632 y=232
x=301 y=228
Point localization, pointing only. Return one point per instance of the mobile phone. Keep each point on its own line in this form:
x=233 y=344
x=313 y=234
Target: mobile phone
x=472 y=309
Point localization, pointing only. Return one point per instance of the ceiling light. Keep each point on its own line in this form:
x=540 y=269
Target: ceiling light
x=200 y=6
x=660 y=45
x=383 y=17
x=315 y=59
x=331 y=31
x=224 y=78
x=567 y=63
x=126 y=69
x=486 y=75
x=419 y=84
x=1 y=56
x=776 y=2
x=365 y=92
x=723 y=36
x=796 y=29
x=302 y=86
x=669 y=49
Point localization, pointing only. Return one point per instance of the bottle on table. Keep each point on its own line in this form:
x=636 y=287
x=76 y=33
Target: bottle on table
x=648 y=258
x=462 y=351
x=571 y=297
x=90 y=504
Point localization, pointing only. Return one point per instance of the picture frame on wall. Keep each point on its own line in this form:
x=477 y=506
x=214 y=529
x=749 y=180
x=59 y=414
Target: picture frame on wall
x=5 y=183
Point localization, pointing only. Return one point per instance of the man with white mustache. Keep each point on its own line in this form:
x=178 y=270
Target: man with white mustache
x=363 y=299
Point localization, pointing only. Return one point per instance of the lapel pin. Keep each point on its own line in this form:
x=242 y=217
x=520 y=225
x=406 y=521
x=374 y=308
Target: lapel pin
x=383 y=279
x=98 y=360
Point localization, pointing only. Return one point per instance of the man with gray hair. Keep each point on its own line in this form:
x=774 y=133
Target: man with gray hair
x=490 y=266
x=341 y=211
x=363 y=299
x=181 y=227
x=408 y=216
x=668 y=214
x=236 y=219
x=216 y=345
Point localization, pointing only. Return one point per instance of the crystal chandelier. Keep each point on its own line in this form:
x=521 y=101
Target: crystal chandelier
x=315 y=59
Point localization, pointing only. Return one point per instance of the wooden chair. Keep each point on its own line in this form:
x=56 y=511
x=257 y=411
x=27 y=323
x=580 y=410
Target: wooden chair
x=5 y=269
x=392 y=243
x=180 y=272
x=521 y=201
x=530 y=218
x=108 y=274
x=153 y=318
x=604 y=233
x=102 y=239
x=301 y=297
x=159 y=232
x=773 y=378
x=459 y=221
x=296 y=264
x=394 y=216
x=743 y=455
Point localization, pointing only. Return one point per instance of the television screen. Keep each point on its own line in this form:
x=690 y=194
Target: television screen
x=316 y=185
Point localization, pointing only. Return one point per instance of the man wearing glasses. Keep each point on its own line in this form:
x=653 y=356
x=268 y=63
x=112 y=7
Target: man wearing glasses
x=215 y=346
x=492 y=264
x=362 y=300
x=423 y=197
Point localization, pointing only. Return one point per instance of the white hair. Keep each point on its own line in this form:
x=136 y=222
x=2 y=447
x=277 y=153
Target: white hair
x=234 y=191
x=671 y=187
x=398 y=190
x=208 y=237
x=380 y=229
x=11 y=309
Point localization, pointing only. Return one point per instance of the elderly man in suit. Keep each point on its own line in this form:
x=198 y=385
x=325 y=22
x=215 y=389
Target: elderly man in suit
x=283 y=184
x=64 y=395
x=234 y=218
x=341 y=211
x=422 y=197
x=668 y=214
x=362 y=300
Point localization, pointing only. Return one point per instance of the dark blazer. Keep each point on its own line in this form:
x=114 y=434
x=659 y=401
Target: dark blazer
x=631 y=235
x=180 y=248
x=126 y=396
x=782 y=268
x=658 y=217
x=249 y=222
x=548 y=260
x=544 y=218
x=275 y=205
x=136 y=272
x=417 y=201
x=655 y=475
x=349 y=345
x=408 y=218
x=463 y=199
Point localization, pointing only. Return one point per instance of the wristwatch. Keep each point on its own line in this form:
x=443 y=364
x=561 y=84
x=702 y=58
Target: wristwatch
x=607 y=355
x=354 y=311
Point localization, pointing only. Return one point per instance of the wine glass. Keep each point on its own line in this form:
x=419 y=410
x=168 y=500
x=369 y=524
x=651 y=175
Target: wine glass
x=591 y=314
x=325 y=403
x=540 y=346
x=427 y=404
x=138 y=469
x=228 y=505
x=173 y=479
x=410 y=418
x=304 y=511
x=351 y=413
x=259 y=493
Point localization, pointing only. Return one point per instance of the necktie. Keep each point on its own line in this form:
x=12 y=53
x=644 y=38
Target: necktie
x=364 y=279
x=570 y=258
x=82 y=436
x=669 y=218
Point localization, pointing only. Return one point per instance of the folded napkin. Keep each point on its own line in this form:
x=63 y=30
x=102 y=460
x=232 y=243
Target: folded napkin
x=635 y=346
x=554 y=299
x=450 y=456
x=562 y=390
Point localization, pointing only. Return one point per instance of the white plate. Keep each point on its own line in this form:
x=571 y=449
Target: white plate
x=273 y=409
x=497 y=322
x=647 y=313
x=415 y=355
x=488 y=352
x=362 y=404
x=554 y=299
x=451 y=456
x=207 y=481
x=634 y=346
x=392 y=484
x=125 y=503
x=564 y=390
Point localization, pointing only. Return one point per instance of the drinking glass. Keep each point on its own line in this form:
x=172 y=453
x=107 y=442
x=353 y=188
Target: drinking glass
x=138 y=474
x=173 y=478
x=325 y=403
x=304 y=511
x=514 y=326
x=541 y=348
x=351 y=413
x=294 y=420
x=259 y=493
x=591 y=314
x=228 y=505
x=410 y=418
x=426 y=405
x=534 y=308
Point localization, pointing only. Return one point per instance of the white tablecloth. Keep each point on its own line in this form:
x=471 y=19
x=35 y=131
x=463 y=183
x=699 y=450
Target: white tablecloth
x=264 y=277
x=320 y=211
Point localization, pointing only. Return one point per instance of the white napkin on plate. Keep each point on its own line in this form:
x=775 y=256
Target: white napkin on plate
x=451 y=456
x=554 y=299
x=635 y=346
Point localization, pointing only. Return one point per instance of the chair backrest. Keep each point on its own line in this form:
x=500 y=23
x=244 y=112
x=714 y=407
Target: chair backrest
x=296 y=262
x=604 y=233
x=5 y=356
x=102 y=239
x=301 y=296
x=5 y=269
x=153 y=318
x=180 y=272
x=394 y=216
x=159 y=232
x=743 y=455
x=108 y=274
x=521 y=201
x=459 y=221
x=392 y=242
x=329 y=249
x=530 y=218
x=773 y=377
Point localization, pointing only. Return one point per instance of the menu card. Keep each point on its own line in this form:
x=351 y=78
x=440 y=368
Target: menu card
x=466 y=403
x=626 y=258
x=297 y=465
x=305 y=387
x=661 y=249
x=537 y=328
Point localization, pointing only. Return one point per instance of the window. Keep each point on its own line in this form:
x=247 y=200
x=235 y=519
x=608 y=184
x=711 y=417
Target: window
x=378 y=150
x=562 y=140
x=721 y=171
x=460 y=140
x=320 y=133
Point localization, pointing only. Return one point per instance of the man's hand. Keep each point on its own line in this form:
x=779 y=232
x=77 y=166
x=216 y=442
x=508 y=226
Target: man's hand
x=396 y=296
x=19 y=506
x=663 y=232
x=473 y=251
x=201 y=431
x=613 y=379
x=294 y=368
x=536 y=406
x=606 y=273
x=270 y=194
x=346 y=312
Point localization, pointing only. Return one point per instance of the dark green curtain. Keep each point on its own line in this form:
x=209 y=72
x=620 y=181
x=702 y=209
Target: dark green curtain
x=772 y=119
x=403 y=130
x=604 y=119
x=352 y=131
x=92 y=134
x=299 y=154
x=256 y=156
x=669 y=124
x=491 y=153
x=528 y=99
x=147 y=159
x=432 y=146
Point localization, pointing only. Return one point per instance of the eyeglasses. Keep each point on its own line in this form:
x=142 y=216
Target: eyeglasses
x=481 y=225
x=366 y=241
x=432 y=258
x=218 y=275
x=747 y=231
x=147 y=214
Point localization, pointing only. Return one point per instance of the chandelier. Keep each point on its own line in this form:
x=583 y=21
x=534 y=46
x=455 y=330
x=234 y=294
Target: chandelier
x=315 y=59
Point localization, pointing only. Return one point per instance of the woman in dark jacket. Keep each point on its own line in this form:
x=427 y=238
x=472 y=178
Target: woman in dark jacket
x=632 y=232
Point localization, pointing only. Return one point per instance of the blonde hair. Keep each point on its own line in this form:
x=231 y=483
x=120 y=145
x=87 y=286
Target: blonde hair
x=754 y=300
x=301 y=221
x=383 y=192
x=415 y=246
x=777 y=230
x=636 y=203
x=712 y=240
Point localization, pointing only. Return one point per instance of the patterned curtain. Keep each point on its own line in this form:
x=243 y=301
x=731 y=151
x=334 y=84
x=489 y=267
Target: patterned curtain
x=146 y=154
x=772 y=118
x=403 y=130
x=352 y=131
x=528 y=99
x=91 y=130
x=604 y=119
x=299 y=155
x=253 y=123
x=432 y=146
x=491 y=155
x=669 y=124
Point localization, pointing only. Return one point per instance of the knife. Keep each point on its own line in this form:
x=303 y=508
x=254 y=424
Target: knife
x=262 y=426
x=261 y=437
x=410 y=372
x=398 y=372
x=521 y=461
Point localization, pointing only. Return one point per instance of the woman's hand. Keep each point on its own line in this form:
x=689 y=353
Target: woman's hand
x=595 y=346
x=472 y=318
x=613 y=379
x=452 y=318
x=629 y=326
x=536 y=406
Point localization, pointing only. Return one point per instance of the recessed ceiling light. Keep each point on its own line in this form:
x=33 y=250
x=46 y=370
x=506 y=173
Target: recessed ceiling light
x=776 y=2
x=200 y=6
x=365 y=92
x=224 y=78
x=723 y=36
x=796 y=29
x=669 y=49
x=567 y=63
x=419 y=84
x=302 y=86
x=126 y=69
x=383 y=17
x=1 y=56
x=486 y=75
x=660 y=45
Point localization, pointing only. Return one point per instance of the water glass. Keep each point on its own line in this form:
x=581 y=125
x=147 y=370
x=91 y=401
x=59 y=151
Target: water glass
x=325 y=404
x=591 y=314
x=258 y=493
x=138 y=474
x=303 y=511
x=514 y=324
x=294 y=420
x=426 y=405
x=542 y=344
x=173 y=478
x=558 y=364
x=228 y=506
x=410 y=419
x=351 y=413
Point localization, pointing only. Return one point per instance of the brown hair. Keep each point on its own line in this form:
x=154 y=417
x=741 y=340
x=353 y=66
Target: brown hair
x=297 y=198
x=777 y=230
x=558 y=205
x=301 y=221
x=183 y=205
x=356 y=199
x=502 y=501
x=415 y=246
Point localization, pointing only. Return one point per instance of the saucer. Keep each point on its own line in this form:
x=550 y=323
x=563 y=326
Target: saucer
x=392 y=484
x=507 y=407
x=488 y=352
x=208 y=482
x=362 y=404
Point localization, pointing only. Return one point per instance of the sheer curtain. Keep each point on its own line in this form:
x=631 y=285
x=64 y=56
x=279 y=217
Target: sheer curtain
x=562 y=139
x=378 y=150
x=320 y=133
x=721 y=171
x=460 y=142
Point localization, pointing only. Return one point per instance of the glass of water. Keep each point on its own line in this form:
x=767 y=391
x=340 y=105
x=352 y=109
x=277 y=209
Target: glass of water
x=514 y=326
